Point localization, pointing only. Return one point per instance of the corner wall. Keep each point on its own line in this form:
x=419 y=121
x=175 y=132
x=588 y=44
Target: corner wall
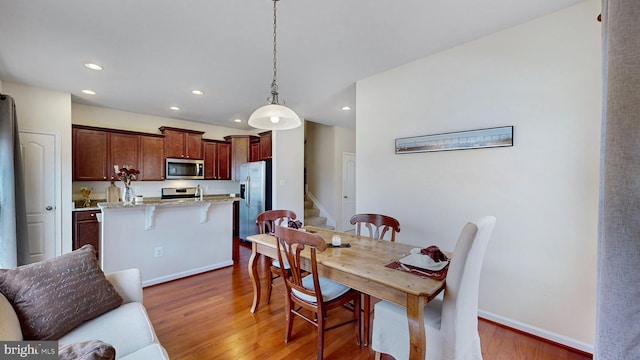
x=288 y=169
x=544 y=78
x=325 y=146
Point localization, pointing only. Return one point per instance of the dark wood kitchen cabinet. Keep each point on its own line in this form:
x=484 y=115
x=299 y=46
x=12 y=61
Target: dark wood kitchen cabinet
x=151 y=157
x=86 y=229
x=265 y=145
x=97 y=150
x=90 y=154
x=217 y=159
x=123 y=151
x=240 y=152
x=224 y=161
x=182 y=143
x=254 y=150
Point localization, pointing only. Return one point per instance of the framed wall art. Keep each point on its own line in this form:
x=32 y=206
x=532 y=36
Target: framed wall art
x=460 y=140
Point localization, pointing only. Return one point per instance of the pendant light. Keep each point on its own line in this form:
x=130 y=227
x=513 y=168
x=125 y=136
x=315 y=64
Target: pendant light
x=274 y=116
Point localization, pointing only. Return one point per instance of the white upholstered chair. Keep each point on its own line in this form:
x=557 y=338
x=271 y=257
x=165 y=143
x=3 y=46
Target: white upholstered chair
x=451 y=321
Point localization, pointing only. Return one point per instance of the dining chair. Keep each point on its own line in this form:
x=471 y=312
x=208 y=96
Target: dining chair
x=377 y=225
x=266 y=222
x=451 y=319
x=311 y=296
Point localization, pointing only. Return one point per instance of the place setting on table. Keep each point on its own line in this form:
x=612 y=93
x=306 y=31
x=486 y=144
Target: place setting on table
x=428 y=262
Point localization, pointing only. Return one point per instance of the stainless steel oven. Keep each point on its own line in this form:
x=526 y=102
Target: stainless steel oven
x=184 y=169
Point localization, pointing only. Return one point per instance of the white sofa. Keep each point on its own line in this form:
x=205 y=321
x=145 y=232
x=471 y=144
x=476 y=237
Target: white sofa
x=127 y=328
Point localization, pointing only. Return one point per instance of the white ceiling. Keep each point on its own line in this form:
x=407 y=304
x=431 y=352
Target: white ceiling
x=154 y=52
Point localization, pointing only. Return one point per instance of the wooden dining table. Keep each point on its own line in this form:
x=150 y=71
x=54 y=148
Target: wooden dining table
x=362 y=266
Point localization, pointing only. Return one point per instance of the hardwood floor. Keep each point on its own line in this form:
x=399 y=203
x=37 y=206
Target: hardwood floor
x=206 y=317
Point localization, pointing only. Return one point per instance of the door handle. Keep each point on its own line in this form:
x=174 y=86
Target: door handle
x=248 y=190
x=49 y=208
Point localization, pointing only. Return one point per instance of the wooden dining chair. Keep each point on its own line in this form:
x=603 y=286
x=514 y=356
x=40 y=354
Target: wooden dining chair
x=450 y=320
x=266 y=222
x=378 y=225
x=311 y=296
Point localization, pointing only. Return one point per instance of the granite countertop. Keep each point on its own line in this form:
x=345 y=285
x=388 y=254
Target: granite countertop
x=169 y=202
x=98 y=204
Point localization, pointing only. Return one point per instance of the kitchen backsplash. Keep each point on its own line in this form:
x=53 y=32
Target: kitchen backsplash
x=153 y=188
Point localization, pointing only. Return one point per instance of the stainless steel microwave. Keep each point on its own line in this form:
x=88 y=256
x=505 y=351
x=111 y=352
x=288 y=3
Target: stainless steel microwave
x=184 y=169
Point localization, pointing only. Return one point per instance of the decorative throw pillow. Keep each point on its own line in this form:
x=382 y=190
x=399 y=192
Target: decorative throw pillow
x=87 y=350
x=54 y=296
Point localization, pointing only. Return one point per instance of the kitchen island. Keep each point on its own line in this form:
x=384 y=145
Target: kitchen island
x=167 y=239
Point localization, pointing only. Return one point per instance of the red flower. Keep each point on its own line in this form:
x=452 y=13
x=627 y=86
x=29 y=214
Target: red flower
x=127 y=173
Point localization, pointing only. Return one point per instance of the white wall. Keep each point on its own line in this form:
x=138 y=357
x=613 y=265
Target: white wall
x=116 y=119
x=544 y=78
x=49 y=112
x=288 y=170
x=324 y=149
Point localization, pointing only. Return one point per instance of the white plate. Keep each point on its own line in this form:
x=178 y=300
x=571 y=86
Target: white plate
x=423 y=262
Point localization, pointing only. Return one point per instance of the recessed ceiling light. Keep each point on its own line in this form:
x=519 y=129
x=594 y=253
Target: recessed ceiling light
x=197 y=92
x=238 y=120
x=93 y=66
x=346 y=108
x=174 y=108
x=88 y=92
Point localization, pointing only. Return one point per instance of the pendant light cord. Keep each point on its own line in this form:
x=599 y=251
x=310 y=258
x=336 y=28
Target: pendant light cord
x=274 y=86
x=274 y=115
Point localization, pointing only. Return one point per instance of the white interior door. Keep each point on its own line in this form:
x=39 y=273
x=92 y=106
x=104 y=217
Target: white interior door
x=348 y=190
x=38 y=160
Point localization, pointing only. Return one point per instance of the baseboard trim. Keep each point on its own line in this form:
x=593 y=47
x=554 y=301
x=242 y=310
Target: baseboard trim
x=183 y=274
x=538 y=332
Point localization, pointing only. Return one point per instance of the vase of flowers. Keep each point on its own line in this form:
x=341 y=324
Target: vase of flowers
x=86 y=196
x=127 y=174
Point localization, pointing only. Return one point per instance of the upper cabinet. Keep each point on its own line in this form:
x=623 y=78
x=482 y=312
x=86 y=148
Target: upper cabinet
x=151 y=157
x=182 y=143
x=254 y=149
x=265 y=145
x=217 y=160
x=90 y=155
x=97 y=150
x=240 y=152
x=124 y=149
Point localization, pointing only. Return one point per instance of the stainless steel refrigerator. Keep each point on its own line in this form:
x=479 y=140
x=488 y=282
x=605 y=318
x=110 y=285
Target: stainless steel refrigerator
x=255 y=195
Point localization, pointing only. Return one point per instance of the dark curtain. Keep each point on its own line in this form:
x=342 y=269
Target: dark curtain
x=14 y=245
x=618 y=291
